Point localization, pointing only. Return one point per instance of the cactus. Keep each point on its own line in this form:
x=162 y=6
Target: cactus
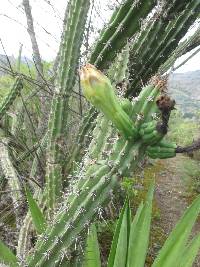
x=144 y=62
x=94 y=183
x=12 y=178
x=69 y=55
x=98 y=90
x=162 y=150
x=100 y=135
x=91 y=195
x=119 y=28
x=10 y=98
x=117 y=73
x=24 y=238
x=123 y=25
x=183 y=48
x=125 y=130
x=141 y=49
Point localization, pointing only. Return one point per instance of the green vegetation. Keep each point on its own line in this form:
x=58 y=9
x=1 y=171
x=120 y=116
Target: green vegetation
x=65 y=160
x=131 y=239
x=183 y=130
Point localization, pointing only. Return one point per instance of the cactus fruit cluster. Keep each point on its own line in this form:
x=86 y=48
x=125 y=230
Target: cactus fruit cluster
x=117 y=131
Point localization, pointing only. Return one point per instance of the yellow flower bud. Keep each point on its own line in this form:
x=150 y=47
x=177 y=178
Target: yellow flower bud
x=98 y=90
x=95 y=85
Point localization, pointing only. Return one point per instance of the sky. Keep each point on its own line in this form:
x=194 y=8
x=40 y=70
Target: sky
x=48 y=16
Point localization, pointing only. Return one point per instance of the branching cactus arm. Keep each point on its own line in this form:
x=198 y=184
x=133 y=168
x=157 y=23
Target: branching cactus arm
x=94 y=183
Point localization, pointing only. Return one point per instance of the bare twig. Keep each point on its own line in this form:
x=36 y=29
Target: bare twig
x=9 y=63
x=34 y=131
x=29 y=70
x=194 y=146
x=21 y=24
x=20 y=9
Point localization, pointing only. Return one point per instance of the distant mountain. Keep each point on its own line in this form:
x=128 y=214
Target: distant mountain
x=185 y=89
x=4 y=63
x=12 y=59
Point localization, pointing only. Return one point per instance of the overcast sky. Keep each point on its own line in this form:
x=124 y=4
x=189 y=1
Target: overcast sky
x=13 y=28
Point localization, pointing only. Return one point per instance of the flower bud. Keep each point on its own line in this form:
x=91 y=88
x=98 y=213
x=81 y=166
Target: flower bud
x=99 y=92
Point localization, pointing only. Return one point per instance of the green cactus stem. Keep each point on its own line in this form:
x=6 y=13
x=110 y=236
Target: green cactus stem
x=10 y=98
x=162 y=150
x=91 y=191
x=100 y=135
x=176 y=30
x=123 y=25
x=145 y=62
x=85 y=130
x=184 y=47
x=69 y=55
x=89 y=195
x=12 y=178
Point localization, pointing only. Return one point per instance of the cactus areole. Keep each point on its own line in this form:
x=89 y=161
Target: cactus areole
x=100 y=93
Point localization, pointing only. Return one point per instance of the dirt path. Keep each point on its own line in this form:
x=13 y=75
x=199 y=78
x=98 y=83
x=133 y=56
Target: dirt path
x=172 y=194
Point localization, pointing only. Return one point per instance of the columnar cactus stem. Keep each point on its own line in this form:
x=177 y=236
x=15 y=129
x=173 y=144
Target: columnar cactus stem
x=94 y=184
x=24 y=238
x=89 y=195
x=72 y=40
x=176 y=30
x=12 y=177
x=10 y=98
x=124 y=25
x=77 y=150
x=100 y=135
x=183 y=48
x=40 y=150
x=117 y=72
x=145 y=62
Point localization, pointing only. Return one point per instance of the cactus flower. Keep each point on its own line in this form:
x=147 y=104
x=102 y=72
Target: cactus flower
x=99 y=92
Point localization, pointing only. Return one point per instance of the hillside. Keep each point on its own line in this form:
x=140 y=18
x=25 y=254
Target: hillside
x=185 y=88
x=4 y=62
